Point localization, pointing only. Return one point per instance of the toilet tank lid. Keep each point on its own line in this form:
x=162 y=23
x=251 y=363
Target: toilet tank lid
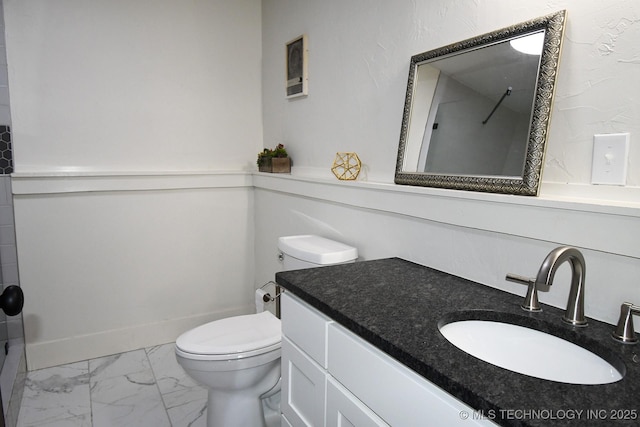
x=316 y=249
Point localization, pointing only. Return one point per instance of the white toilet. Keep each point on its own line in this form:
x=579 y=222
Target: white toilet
x=238 y=358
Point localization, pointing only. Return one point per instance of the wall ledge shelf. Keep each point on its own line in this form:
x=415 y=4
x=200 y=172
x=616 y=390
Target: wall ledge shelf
x=81 y=182
x=577 y=197
x=563 y=214
x=582 y=222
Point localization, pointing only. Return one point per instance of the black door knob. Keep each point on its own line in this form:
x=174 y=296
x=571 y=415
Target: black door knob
x=12 y=300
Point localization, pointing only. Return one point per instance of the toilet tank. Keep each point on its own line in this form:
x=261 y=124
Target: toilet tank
x=309 y=251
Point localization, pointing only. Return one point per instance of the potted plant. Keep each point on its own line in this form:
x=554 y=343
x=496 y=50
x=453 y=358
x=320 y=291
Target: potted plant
x=274 y=160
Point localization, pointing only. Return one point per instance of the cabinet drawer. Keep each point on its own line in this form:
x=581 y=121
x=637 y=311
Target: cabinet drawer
x=394 y=392
x=306 y=327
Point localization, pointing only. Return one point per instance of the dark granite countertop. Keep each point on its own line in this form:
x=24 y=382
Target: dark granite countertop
x=397 y=305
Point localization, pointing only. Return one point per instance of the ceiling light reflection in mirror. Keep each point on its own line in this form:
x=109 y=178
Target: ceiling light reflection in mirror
x=531 y=44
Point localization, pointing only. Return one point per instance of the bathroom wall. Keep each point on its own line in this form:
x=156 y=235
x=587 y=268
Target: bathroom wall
x=13 y=365
x=124 y=114
x=114 y=270
x=8 y=260
x=134 y=86
x=434 y=229
x=359 y=55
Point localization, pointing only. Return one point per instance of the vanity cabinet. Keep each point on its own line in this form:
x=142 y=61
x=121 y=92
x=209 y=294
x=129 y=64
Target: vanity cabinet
x=331 y=377
x=303 y=387
x=344 y=409
x=304 y=363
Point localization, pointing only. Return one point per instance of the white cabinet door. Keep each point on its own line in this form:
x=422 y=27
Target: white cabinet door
x=345 y=410
x=304 y=386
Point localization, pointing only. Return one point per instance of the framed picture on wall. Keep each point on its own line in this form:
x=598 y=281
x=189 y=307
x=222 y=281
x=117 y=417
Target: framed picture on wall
x=296 y=56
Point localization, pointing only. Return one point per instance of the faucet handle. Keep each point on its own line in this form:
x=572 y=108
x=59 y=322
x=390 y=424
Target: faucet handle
x=624 y=330
x=530 y=302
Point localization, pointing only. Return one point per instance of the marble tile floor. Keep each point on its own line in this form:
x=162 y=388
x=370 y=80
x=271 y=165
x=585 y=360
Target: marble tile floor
x=142 y=388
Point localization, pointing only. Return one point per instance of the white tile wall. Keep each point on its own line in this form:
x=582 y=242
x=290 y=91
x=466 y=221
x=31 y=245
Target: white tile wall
x=11 y=328
x=5 y=114
x=8 y=257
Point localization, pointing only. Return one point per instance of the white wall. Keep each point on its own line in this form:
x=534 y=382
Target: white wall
x=115 y=106
x=142 y=85
x=5 y=113
x=110 y=271
x=480 y=237
x=359 y=54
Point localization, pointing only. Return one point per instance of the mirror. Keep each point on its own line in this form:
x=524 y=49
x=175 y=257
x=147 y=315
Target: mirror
x=477 y=112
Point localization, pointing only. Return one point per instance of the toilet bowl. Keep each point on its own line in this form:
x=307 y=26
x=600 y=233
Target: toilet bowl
x=238 y=358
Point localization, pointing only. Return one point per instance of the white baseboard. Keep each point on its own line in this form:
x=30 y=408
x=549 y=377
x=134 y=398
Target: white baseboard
x=74 y=349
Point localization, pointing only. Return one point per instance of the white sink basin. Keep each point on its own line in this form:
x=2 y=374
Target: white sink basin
x=529 y=352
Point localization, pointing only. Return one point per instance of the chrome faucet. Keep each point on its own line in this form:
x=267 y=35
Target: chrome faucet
x=624 y=330
x=574 y=314
x=531 y=300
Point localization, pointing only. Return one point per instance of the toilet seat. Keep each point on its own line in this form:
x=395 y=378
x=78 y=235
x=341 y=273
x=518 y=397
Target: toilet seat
x=232 y=338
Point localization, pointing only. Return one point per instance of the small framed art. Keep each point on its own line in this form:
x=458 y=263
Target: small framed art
x=296 y=54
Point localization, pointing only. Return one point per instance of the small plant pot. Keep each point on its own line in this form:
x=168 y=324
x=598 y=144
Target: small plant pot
x=281 y=165
x=265 y=164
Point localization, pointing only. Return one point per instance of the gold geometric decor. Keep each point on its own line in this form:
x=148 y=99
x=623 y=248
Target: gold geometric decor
x=346 y=166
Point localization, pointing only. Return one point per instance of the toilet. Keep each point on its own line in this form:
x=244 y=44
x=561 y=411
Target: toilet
x=238 y=358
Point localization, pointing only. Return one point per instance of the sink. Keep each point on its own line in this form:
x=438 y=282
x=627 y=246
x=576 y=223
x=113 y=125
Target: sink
x=530 y=352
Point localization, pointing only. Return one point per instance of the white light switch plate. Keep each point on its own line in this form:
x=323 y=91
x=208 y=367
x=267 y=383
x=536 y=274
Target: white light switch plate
x=610 y=152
